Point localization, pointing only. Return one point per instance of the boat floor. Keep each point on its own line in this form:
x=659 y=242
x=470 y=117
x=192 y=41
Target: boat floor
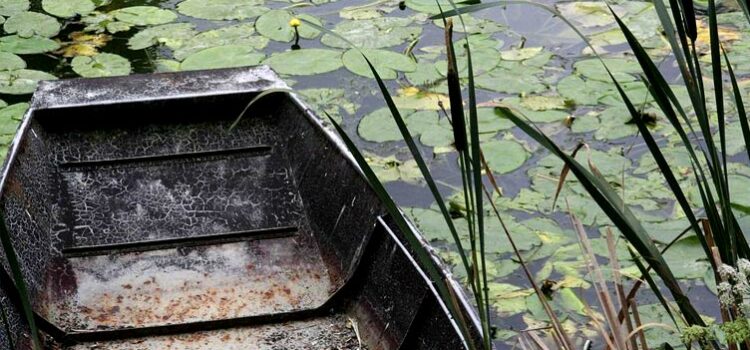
x=190 y=284
x=330 y=332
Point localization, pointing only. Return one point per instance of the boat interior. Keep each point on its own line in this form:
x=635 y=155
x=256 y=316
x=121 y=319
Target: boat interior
x=186 y=223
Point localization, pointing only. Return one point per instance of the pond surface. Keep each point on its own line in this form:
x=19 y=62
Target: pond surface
x=523 y=56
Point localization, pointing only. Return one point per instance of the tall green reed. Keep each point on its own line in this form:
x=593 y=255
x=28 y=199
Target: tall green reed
x=721 y=236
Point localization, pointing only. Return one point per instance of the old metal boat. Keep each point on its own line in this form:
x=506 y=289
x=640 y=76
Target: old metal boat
x=143 y=221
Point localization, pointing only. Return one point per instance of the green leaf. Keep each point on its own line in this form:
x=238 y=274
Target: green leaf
x=13 y=112
x=222 y=9
x=474 y=25
x=101 y=65
x=516 y=79
x=520 y=54
x=21 y=81
x=172 y=35
x=223 y=57
x=504 y=156
x=331 y=101
x=28 y=24
x=386 y=62
x=144 y=15
x=241 y=34
x=68 y=8
x=305 y=61
x=274 y=25
x=9 y=61
x=373 y=33
x=12 y=7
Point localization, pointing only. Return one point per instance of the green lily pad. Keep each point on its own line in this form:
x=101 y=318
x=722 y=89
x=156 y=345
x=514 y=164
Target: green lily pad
x=13 y=112
x=504 y=156
x=28 y=24
x=521 y=79
x=431 y=6
x=101 y=65
x=373 y=33
x=379 y=126
x=9 y=61
x=274 y=25
x=520 y=54
x=24 y=46
x=241 y=34
x=331 y=101
x=21 y=81
x=171 y=35
x=144 y=15
x=623 y=69
x=537 y=116
x=222 y=9
x=68 y=8
x=12 y=7
x=305 y=61
x=164 y=65
x=543 y=103
x=582 y=92
x=223 y=57
x=473 y=25
x=389 y=169
x=387 y=63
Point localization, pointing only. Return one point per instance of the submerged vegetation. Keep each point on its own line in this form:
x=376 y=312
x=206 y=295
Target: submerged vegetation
x=644 y=103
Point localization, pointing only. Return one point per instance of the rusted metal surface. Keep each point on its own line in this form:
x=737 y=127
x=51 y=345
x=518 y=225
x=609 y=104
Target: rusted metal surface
x=183 y=285
x=327 y=333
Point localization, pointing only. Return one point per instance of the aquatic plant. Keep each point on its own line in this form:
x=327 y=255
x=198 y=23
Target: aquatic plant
x=720 y=234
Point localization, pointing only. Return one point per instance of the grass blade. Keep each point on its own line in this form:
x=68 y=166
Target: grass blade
x=611 y=204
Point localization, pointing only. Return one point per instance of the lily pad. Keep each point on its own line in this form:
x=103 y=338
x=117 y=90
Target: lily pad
x=144 y=15
x=12 y=7
x=222 y=9
x=223 y=57
x=24 y=46
x=171 y=35
x=504 y=156
x=68 y=8
x=28 y=24
x=14 y=112
x=387 y=63
x=473 y=25
x=331 y=101
x=305 y=61
x=373 y=33
x=101 y=65
x=9 y=61
x=518 y=80
x=241 y=34
x=379 y=126
x=274 y=25
x=21 y=81
x=520 y=54
x=414 y=98
x=389 y=169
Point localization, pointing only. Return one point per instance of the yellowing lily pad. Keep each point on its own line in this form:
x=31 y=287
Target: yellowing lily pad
x=414 y=98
